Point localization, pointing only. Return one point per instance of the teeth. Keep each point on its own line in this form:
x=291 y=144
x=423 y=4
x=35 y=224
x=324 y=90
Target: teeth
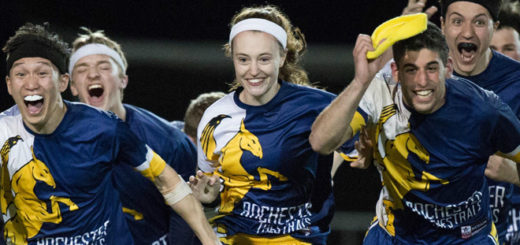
x=424 y=92
x=255 y=80
x=33 y=97
x=94 y=86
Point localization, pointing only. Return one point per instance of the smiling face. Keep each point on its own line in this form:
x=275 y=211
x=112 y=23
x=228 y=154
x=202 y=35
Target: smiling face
x=257 y=58
x=97 y=81
x=507 y=41
x=422 y=76
x=468 y=29
x=36 y=85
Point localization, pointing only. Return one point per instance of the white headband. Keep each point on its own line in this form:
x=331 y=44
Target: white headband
x=94 y=48
x=257 y=24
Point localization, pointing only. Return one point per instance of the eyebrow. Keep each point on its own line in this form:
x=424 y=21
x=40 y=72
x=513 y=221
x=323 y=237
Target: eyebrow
x=97 y=63
x=40 y=62
x=265 y=53
x=432 y=63
x=412 y=65
x=409 y=65
x=474 y=17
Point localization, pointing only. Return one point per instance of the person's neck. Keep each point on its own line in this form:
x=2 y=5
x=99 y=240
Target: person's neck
x=480 y=67
x=251 y=100
x=120 y=111
x=54 y=121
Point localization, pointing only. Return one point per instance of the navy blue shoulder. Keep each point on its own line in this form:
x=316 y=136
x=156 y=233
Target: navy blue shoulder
x=480 y=99
x=312 y=91
x=306 y=94
x=83 y=111
x=140 y=117
x=468 y=88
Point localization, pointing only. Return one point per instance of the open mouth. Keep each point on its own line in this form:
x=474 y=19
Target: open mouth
x=95 y=90
x=34 y=103
x=467 y=51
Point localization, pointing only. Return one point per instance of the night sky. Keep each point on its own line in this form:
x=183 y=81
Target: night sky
x=322 y=22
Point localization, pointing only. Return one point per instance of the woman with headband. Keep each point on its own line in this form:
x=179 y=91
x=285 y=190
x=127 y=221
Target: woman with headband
x=256 y=139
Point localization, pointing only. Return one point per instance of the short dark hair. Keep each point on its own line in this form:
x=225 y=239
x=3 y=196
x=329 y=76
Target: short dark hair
x=510 y=16
x=37 y=41
x=431 y=39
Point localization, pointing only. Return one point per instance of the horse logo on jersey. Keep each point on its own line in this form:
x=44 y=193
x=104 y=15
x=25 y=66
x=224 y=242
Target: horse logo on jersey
x=30 y=213
x=234 y=173
x=207 y=139
x=399 y=172
x=399 y=176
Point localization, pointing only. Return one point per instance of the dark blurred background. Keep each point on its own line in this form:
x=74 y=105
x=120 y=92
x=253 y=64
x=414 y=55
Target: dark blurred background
x=174 y=51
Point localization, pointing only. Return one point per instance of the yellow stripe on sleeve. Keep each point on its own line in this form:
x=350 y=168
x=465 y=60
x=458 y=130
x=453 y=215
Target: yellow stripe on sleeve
x=357 y=123
x=348 y=158
x=514 y=155
x=153 y=167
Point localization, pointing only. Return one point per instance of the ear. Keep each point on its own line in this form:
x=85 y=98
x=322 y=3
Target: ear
x=395 y=71
x=495 y=25
x=8 y=83
x=449 y=68
x=63 y=82
x=442 y=26
x=124 y=81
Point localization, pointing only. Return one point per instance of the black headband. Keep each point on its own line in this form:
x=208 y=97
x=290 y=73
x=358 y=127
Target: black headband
x=37 y=48
x=492 y=6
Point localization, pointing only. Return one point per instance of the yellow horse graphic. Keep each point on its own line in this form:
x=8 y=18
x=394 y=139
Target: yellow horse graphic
x=31 y=212
x=399 y=177
x=237 y=180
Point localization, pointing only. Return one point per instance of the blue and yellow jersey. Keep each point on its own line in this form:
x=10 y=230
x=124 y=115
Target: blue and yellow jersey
x=147 y=214
x=263 y=155
x=432 y=166
x=502 y=76
x=57 y=188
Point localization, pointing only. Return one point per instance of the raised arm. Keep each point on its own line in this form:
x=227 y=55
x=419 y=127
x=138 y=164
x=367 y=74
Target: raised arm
x=417 y=6
x=332 y=126
x=178 y=196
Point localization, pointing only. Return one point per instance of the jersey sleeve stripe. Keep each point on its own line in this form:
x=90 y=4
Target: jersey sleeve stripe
x=152 y=166
x=358 y=121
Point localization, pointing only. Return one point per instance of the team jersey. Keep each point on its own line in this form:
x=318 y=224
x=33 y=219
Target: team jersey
x=143 y=205
x=57 y=188
x=434 y=189
x=263 y=155
x=502 y=76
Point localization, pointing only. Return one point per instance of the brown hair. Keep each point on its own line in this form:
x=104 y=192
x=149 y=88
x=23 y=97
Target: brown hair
x=99 y=37
x=196 y=110
x=291 y=71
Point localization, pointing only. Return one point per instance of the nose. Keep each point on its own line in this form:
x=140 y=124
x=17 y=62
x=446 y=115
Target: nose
x=32 y=82
x=467 y=30
x=253 y=68
x=92 y=73
x=422 y=78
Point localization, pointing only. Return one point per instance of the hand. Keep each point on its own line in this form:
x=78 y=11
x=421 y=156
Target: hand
x=205 y=187
x=364 y=148
x=502 y=169
x=417 y=6
x=365 y=69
